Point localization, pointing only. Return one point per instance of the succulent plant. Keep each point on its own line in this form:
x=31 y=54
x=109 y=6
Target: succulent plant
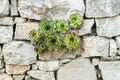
x=34 y=35
x=47 y=27
x=75 y=20
x=54 y=42
x=72 y=41
x=62 y=26
x=41 y=48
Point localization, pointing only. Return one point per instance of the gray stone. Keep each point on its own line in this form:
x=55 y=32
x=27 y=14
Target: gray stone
x=4 y=7
x=86 y=27
x=19 y=53
x=19 y=20
x=1 y=64
x=101 y=8
x=64 y=61
x=13 y=6
x=115 y=58
x=48 y=66
x=37 y=74
x=117 y=41
x=77 y=69
x=110 y=70
x=5 y=77
x=52 y=9
x=95 y=46
x=6 y=33
x=25 y=29
x=16 y=69
x=6 y=21
x=2 y=71
x=0 y=53
x=18 y=77
x=29 y=78
x=108 y=27
x=113 y=48
x=34 y=67
x=95 y=61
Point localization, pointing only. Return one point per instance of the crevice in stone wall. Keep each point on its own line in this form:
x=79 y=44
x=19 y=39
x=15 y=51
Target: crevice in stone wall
x=55 y=74
x=109 y=49
x=98 y=73
x=93 y=29
x=14 y=28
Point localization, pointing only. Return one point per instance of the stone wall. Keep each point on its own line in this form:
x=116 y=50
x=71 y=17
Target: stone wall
x=100 y=34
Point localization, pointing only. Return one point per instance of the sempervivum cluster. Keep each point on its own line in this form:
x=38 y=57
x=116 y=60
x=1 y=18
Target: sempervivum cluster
x=53 y=36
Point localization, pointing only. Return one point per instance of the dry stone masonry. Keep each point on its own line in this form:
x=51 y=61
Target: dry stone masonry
x=98 y=57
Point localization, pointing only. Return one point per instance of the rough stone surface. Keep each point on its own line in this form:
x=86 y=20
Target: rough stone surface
x=64 y=61
x=14 y=11
x=95 y=46
x=34 y=67
x=37 y=74
x=18 y=52
x=52 y=9
x=86 y=27
x=25 y=29
x=1 y=64
x=0 y=53
x=113 y=48
x=4 y=8
x=6 y=21
x=48 y=66
x=98 y=8
x=78 y=69
x=95 y=61
x=6 y=33
x=117 y=41
x=29 y=78
x=18 y=77
x=15 y=69
x=5 y=77
x=19 y=20
x=110 y=70
x=2 y=71
x=108 y=27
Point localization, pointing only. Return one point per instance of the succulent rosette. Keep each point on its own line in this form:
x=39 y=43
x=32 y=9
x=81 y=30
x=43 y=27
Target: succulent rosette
x=75 y=20
x=47 y=27
x=41 y=48
x=72 y=41
x=54 y=42
x=34 y=35
x=62 y=26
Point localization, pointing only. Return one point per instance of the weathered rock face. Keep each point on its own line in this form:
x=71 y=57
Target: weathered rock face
x=1 y=64
x=86 y=27
x=23 y=30
x=78 y=69
x=113 y=48
x=0 y=53
x=108 y=27
x=19 y=53
x=13 y=7
x=4 y=8
x=95 y=46
x=37 y=74
x=18 y=77
x=110 y=70
x=52 y=9
x=19 y=20
x=98 y=8
x=48 y=66
x=6 y=33
x=6 y=21
x=5 y=77
x=15 y=69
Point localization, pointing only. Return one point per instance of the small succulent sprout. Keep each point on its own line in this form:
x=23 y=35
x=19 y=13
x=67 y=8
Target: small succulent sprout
x=72 y=41
x=75 y=20
x=41 y=48
x=47 y=27
x=62 y=26
x=54 y=42
x=34 y=35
